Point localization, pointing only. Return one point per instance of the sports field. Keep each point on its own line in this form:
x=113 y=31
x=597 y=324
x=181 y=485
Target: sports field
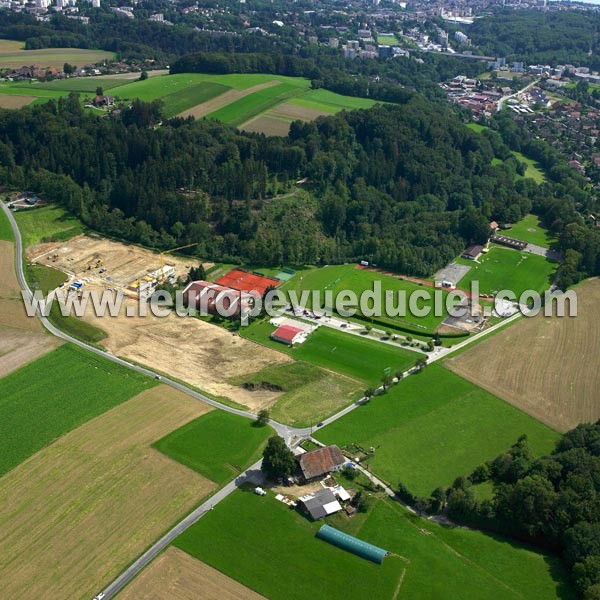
x=547 y=366
x=362 y=359
x=55 y=394
x=218 y=445
x=387 y=40
x=309 y=393
x=507 y=269
x=529 y=229
x=274 y=551
x=337 y=278
x=13 y=56
x=433 y=427
x=79 y=511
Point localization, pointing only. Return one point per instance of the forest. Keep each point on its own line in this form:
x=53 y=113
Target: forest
x=552 y=501
x=404 y=186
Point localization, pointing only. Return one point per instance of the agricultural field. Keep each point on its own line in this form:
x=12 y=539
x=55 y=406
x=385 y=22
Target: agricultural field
x=309 y=394
x=55 y=394
x=218 y=445
x=529 y=229
x=12 y=102
x=13 y=55
x=546 y=366
x=350 y=355
x=433 y=427
x=276 y=554
x=175 y=575
x=507 y=269
x=76 y=513
x=348 y=277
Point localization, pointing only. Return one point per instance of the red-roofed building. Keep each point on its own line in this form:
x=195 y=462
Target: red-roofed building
x=287 y=334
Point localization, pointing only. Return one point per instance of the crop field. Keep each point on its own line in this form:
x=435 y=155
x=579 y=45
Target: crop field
x=432 y=427
x=347 y=277
x=15 y=101
x=57 y=393
x=276 y=554
x=309 y=393
x=79 y=511
x=12 y=56
x=529 y=229
x=357 y=357
x=546 y=366
x=218 y=445
x=47 y=224
x=175 y=575
x=80 y=84
x=507 y=269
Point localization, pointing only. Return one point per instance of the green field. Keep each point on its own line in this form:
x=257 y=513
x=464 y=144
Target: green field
x=347 y=277
x=327 y=101
x=274 y=551
x=44 y=278
x=310 y=393
x=387 y=40
x=47 y=223
x=55 y=394
x=80 y=84
x=343 y=353
x=433 y=427
x=218 y=445
x=507 y=269
x=529 y=229
x=12 y=55
x=6 y=232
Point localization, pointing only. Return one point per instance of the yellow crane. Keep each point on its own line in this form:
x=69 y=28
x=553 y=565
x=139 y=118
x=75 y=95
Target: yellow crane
x=162 y=258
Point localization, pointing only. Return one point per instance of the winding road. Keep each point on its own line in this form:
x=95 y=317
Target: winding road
x=292 y=435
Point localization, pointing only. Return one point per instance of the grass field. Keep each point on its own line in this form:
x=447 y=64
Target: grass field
x=387 y=40
x=529 y=229
x=47 y=223
x=433 y=427
x=507 y=269
x=55 y=394
x=44 y=278
x=81 y=84
x=347 y=277
x=310 y=393
x=217 y=445
x=94 y=500
x=547 y=366
x=12 y=55
x=274 y=551
x=6 y=232
x=343 y=353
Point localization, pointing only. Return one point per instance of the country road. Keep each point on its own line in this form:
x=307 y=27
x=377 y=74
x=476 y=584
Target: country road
x=292 y=435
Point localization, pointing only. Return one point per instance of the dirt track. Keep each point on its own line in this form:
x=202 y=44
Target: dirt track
x=76 y=513
x=546 y=366
x=223 y=100
x=175 y=575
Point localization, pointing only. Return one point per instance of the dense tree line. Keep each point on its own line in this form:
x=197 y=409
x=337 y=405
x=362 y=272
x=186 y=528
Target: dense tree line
x=533 y=36
x=552 y=501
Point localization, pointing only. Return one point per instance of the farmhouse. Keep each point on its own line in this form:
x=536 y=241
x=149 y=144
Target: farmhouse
x=287 y=334
x=322 y=461
x=319 y=504
x=211 y=298
x=473 y=252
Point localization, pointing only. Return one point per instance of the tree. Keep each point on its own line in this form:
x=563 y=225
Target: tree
x=399 y=374
x=99 y=91
x=369 y=392
x=197 y=273
x=386 y=381
x=143 y=76
x=420 y=364
x=278 y=459
x=262 y=417
x=361 y=502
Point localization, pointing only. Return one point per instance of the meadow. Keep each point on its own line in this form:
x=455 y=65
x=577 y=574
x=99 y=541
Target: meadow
x=53 y=395
x=433 y=427
x=47 y=223
x=218 y=445
x=507 y=269
x=6 y=232
x=274 y=551
x=357 y=357
x=529 y=229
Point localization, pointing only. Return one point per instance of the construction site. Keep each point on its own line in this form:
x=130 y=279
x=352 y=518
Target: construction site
x=134 y=271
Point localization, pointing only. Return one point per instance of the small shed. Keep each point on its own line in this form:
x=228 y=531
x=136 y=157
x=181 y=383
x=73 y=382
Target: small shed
x=351 y=544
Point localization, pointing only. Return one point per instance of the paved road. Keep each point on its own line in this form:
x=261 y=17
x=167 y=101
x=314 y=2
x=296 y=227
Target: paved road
x=503 y=100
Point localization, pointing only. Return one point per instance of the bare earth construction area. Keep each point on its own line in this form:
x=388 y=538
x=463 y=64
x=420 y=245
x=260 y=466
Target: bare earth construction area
x=175 y=575
x=547 y=367
x=77 y=512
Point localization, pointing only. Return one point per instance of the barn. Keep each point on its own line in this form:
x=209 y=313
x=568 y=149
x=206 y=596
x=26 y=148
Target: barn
x=322 y=461
x=288 y=334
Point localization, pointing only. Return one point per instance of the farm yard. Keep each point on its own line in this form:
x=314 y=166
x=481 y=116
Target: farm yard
x=433 y=427
x=254 y=102
x=78 y=511
x=205 y=445
x=277 y=554
x=546 y=366
x=13 y=55
x=175 y=575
